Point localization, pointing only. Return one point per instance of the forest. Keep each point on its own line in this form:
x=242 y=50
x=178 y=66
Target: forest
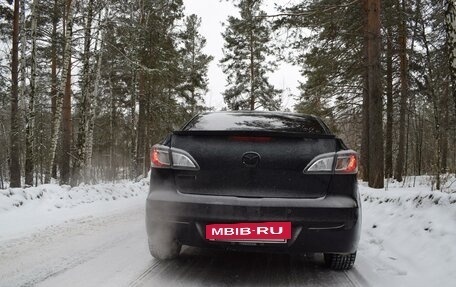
x=88 y=86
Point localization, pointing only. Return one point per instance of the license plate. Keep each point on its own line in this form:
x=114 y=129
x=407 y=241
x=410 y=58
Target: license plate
x=273 y=232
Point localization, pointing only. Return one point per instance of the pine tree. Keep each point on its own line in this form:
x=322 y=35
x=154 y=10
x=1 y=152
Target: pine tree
x=450 y=20
x=85 y=101
x=6 y=20
x=337 y=44
x=194 y=65
x=141 y=42
x=325 y=41
x=67 y=131
x=54 y=62
x=94 y=107
x=246 y=61
x=59 y=101
x=376 y=159
x=432 y=80
x=402 y=43
x=391 y=12
x=30 y=118
x=15 y=168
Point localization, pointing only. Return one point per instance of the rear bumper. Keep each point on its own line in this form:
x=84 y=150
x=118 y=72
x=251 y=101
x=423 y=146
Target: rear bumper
x=329 y=224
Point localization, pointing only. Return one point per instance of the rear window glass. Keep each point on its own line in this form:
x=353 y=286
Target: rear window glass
x=245 y=121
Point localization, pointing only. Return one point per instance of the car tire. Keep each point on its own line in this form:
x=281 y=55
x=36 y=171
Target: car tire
x=161 y=250
x=340 y=261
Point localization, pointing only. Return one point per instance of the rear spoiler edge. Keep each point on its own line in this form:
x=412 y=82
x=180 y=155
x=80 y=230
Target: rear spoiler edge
x=254 y=133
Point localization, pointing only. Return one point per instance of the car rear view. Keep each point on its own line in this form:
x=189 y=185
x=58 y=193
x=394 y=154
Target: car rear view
x=260 y=181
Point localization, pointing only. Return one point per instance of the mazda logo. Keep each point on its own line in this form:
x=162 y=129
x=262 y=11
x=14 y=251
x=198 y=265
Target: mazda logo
x=251 y=159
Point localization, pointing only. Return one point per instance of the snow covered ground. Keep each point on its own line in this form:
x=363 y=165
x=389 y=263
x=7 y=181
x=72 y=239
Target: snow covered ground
x=25 y=210
x=94 y=235
x=409 y=233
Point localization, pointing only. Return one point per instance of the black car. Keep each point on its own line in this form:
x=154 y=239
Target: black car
x=262 y=181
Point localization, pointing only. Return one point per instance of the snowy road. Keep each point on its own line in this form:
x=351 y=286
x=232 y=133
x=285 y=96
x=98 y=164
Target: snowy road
x=95 y=236
x=112 y=251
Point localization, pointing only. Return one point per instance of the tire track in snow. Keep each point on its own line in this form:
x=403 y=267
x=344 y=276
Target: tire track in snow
x=141 y=277
x=54 y=250
x=199 y=267
x=112 y=251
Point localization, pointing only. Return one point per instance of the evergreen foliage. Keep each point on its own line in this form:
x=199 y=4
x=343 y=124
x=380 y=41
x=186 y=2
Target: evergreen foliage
x=248 y=60
x=139 y=69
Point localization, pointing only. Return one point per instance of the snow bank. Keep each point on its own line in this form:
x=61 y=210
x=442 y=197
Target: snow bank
x=55 y=196
x=410 y=234
x=412 y=197
x=25 y=211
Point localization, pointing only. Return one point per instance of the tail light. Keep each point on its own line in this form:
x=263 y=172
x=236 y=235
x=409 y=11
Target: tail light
x=159 y=157
x=165 y=157
x=342 y=162
x=346 y=163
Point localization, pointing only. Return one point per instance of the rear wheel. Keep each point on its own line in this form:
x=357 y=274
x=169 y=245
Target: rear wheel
x=340 y=261
x=163 y=244
x=162 y=250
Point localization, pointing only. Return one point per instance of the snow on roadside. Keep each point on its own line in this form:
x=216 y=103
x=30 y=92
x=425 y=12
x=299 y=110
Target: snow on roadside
x=24 y=211
x=409 y=234
x=55 y=196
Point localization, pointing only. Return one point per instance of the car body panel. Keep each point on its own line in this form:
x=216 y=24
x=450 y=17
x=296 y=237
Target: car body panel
x=323 y=208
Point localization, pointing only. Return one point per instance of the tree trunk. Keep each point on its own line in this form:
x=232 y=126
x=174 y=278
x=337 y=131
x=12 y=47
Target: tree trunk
x=91 y=120
x=364 y=161
x=389 y=106
x=150 y=120
x=94 y=107
x=141 y=130
x=450 y=20
x=252 y=65
x=133 y=118
x=435 y=104
x=79 y=160
x=58 y=114
x=67 y=131
x=376 y=160
x=404 y=95
x=112 y=137
x=419 y=142
x=55 y=20
x=444 y=110
x=15 y=168
x=407 y=134
x=193 y=72
x=23 y=63
x=142 y=117
x=133 y=124
x=29 y=142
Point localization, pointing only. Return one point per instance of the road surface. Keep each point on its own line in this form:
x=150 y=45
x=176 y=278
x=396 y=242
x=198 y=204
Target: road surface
x=112 y=251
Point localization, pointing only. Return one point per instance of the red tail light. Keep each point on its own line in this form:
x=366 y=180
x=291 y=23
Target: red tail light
x=159 y=157
x=165 y=157
x=347 y=163
x=342 y=162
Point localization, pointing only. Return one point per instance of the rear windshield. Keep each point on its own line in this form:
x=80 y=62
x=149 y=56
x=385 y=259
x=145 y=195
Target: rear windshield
x=246 y=121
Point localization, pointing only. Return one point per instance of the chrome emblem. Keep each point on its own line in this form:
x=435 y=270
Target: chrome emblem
x=250 y=159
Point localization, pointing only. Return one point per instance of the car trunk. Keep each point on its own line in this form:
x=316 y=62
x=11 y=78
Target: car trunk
x=277 y=173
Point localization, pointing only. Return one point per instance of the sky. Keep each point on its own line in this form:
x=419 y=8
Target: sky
x=213 y=13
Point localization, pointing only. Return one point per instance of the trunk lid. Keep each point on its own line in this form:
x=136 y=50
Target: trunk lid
x=253 y=163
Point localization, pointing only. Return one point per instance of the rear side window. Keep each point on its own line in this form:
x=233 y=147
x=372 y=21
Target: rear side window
x=245 y=121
